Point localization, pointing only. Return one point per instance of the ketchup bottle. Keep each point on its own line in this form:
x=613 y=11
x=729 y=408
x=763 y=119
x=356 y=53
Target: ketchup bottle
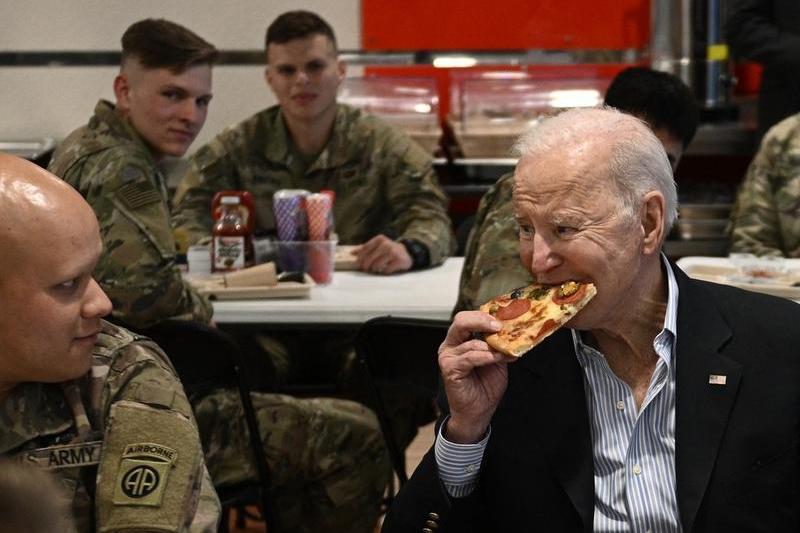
x=232 y=241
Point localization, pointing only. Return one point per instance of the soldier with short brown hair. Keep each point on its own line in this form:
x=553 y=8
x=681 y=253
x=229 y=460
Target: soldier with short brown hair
x=387 y=196
x=162 y=94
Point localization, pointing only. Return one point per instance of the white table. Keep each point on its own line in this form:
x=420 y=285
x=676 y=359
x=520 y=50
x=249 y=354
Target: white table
x=355 y=297
x=722 y=270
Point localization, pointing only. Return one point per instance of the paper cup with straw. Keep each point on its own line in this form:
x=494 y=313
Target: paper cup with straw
x=320 y=252
x=291 y=224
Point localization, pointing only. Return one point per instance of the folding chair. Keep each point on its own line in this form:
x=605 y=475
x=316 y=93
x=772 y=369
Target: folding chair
x=206 y=359
x=399 y=354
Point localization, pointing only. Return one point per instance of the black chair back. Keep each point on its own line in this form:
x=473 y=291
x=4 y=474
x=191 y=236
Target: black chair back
x=206 y=359
x=399 y=354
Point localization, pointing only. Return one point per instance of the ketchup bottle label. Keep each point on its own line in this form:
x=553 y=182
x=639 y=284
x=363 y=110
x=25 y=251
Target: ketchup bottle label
x=229 y=253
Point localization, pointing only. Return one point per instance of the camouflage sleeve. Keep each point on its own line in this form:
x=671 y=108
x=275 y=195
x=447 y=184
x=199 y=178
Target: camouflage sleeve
x=152 y=475
x=765 y=219
x=210 y=170
x=491 y=263
x=137 y=269
x=413 y=192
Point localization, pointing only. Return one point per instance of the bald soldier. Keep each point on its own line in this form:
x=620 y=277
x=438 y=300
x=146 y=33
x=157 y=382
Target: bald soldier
x=96 y=405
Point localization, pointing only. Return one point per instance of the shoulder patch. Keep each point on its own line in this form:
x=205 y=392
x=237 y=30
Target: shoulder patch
x=141 y=482
x=143 y=473
x=138 y=194
x=148 y=470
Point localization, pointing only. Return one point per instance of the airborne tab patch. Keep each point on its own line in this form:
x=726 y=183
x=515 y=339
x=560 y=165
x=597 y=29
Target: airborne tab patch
x=142 y=474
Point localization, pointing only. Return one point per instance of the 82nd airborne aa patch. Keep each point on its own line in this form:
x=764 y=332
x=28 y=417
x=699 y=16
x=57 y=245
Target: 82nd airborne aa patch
x=143 y=473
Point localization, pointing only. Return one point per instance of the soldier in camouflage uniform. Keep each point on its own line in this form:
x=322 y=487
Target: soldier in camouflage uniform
x=766 y=217
x=112 y=167
x=491 y=263
x=112 y=162
x=387 y=195
x=96 y=405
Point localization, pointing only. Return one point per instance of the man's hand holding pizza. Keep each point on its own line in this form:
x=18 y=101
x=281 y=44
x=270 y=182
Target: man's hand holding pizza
x=475 y=377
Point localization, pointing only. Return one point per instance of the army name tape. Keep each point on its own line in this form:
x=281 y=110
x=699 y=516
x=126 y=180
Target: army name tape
x=64 y=456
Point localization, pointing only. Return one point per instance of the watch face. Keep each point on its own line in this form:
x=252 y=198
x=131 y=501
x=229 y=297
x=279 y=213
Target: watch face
x=420 y=256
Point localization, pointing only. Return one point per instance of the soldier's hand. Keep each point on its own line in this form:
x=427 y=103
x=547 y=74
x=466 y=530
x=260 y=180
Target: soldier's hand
x=475 y=377
x=382 y=255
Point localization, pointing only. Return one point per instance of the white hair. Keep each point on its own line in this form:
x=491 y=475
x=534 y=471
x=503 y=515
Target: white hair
x=638 y=162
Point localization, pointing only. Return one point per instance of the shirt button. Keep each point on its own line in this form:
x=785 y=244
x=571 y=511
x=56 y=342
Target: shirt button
x=637 y=469
x=621 y=405
x=470 y=468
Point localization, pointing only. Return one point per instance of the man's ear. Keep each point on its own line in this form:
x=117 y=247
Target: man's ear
x=341 y=68
x=652 y=221
x=122 y=90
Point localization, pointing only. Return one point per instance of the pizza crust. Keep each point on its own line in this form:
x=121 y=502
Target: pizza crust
x=550 y=307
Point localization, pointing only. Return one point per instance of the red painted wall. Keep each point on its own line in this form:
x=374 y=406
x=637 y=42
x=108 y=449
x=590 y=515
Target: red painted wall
x=504 y=24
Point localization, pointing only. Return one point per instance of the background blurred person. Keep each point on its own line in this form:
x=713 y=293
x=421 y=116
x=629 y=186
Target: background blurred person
x=31 y=501
x=765 y=220
x=768 y=31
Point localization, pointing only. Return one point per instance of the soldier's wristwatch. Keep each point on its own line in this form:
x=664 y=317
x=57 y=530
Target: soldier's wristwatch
x=420 y=255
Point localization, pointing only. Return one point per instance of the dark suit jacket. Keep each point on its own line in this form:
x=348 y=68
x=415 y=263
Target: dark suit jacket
x=736 y=444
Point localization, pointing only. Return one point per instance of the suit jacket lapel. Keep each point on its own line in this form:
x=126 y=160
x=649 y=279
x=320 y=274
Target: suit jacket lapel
x=553 y=395
x=702 y=404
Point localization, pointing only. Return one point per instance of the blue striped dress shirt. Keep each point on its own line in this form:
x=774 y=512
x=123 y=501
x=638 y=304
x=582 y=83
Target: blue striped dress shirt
x=633 y=452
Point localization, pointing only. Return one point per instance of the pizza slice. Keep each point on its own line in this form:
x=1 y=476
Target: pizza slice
x=529 y=314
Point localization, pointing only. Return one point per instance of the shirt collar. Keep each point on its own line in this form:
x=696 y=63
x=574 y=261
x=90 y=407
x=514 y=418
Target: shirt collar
x=335 y=152
x=664 y=342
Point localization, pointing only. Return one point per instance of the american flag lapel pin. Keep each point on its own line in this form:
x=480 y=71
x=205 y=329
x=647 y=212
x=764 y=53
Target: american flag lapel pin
x=716 y=379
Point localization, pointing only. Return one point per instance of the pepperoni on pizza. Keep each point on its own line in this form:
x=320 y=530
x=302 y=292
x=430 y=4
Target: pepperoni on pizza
x=529 y=314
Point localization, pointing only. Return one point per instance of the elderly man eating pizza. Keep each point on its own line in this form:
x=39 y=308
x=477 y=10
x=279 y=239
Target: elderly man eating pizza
x=666 y=404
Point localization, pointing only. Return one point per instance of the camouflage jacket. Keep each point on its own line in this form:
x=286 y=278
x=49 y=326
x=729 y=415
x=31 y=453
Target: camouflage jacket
x=766 y=217
x=109 y=164
x=491 y=260
x=384 y=182
x=122 y=440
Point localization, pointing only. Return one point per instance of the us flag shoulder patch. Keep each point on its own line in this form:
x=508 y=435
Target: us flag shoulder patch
x=139 y=194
